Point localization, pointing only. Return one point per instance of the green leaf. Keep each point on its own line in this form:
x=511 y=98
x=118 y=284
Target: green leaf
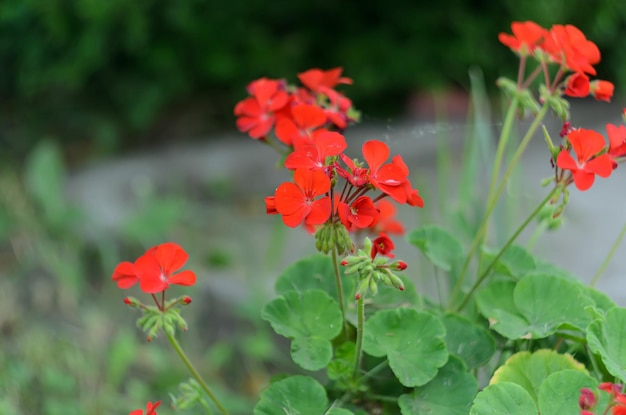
x=471 y=342
x=559 y=392
x=295 y=395
x=530 y=308
x=607 y=338
x=435 y=396
x=515 y=262
x=411 y=340
x=529 y=370
x=315 y=272
x=503 y=399
x=343 y=363
x=311 y=319
x=442 y=248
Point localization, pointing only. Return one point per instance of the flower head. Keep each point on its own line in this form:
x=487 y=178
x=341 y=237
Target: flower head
x=586 y=145
x=256 y=114
x=298 y=202
x=155 y=270
x=525 y=39
x=382 y=245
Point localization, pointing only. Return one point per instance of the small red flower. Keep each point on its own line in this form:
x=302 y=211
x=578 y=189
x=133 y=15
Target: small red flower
x=602 y=90
x=297 y=201
x=313 y=154
x=304 y=119
x=155 y=270
x=382 y=245
x=587 y=399
x=387 y=222
x=360 y=214
x=586 y=145
x=617 y=141
x=317 y=80
x=526 y=36
x=257 y=113
x=150 y=409
x=577 y=85
x=355 y=174
x=568 y=46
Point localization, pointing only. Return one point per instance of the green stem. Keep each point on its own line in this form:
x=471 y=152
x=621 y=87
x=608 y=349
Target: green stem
x=195 y=373
x=608 y=258
x=492 y=203
x=508 y=243
x=346 y=330
x=375 y=370
x=359 y=337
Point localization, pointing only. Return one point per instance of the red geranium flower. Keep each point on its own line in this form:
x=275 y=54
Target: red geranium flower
x=577 y=85
x=297 y=201
x=387 y=223
x=586 y=145
x=312 y=155
x=568 y=46
x=150 y=409
x=304 y=119
x=617 y=141
x=602 y=90
x=317 y=80
x=382 y=245
x=525 y=38
x=355 y=174
x=360 y=214
x=155 y=270
x=257 y=113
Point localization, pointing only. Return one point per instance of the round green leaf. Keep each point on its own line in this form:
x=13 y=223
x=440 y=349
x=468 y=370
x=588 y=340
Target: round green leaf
x=529 y=370
x=295 y=395
x=412 y=341
x=535 y=298
x=471 y=342
x=607 y=338
x=495 y=302
x=559 y=392
x=515 y=262
x=530 y=309
x=442 y=248
x=503 y=399
x=311 y=319
x=435 y=396
x=315 y=272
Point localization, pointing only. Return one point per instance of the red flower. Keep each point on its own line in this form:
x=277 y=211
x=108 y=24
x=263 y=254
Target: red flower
x=525 y=38
x=150 y=409
x=304 y=119
x=256 y=113
x=617 y=141
x=155 y=270
x=354 y=174
x=577 y=85
x=313 y=155
x=391 y=178
x=602 y=90
x=587 y=399
x=297 y=203
x=568 y=46
x=360 y=214
x=387 y=223
x=317 y=80
x=382 y=245
x=586 y=145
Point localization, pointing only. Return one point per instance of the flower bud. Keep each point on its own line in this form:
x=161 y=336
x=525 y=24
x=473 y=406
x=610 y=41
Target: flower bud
x=398 y=266
x=186 y=300
x=132 y=302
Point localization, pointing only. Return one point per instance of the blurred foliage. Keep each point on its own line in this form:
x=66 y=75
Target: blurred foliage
x=106 y=74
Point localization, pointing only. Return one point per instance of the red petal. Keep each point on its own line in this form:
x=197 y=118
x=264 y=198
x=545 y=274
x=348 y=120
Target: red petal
x=262 y=128
x=308 y=116
x=171 y=257
x=375 y=154
x=582 y=179
x=320 y=211
x=312 y=183
x=186 y=278
x=565 y=161
x=330 y=143
x=286 y=130
x=289 y=198
x=295 y=218
x=601 y=165
x=586 y=143
x=125 y=275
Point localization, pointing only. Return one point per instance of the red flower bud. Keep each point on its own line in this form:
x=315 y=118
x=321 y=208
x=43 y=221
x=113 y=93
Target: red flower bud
x=187 y=300
x=344 y=262
x=401 y=265
x=127 y=301
x=357 y=296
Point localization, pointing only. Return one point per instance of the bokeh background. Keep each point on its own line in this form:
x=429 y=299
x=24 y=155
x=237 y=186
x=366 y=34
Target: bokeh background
x=100 y=102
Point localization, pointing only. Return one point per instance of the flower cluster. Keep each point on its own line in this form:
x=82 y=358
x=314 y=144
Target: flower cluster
x=565 y=46
x=588 y=400
x=294 y=112
x=155 y=270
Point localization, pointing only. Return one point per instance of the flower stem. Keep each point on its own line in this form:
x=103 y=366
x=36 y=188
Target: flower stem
x=494 y=199
x=346 y=330
x=195 y=373
x=358 y=352
x=608 y=258
x=508 y=243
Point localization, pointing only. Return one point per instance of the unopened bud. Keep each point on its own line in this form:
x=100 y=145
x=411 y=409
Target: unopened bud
x=344 y=262
x=132 y=302
x=186 y=300
x=399 y=265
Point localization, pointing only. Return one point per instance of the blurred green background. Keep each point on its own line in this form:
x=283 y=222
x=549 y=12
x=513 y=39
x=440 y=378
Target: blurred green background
x=84 y=80
x=102 y=76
